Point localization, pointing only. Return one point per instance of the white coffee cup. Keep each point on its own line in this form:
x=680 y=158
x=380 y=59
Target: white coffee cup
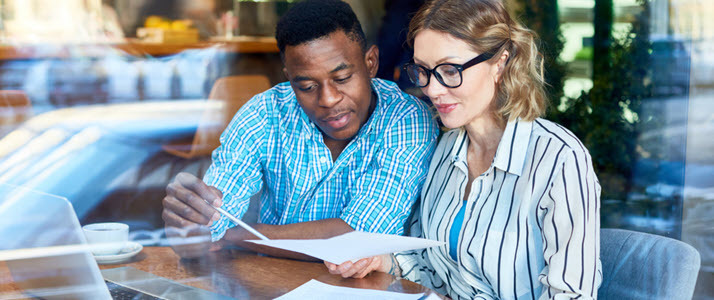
x=106 y=238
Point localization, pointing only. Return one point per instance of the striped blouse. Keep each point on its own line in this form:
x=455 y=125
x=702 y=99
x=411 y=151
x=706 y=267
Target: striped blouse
x=531 y=224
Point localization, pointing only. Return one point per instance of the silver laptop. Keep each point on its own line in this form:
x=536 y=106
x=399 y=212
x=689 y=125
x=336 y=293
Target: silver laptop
x=43 y=245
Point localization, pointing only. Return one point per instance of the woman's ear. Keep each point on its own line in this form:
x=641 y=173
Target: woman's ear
x=501 y=65
x=371 y=60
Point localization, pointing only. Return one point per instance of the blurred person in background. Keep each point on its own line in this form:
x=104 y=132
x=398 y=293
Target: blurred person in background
x=202 y=14
x=514 y=197
x=392 y=38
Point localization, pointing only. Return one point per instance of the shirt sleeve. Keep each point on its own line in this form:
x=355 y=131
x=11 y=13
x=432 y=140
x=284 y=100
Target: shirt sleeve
x=415 y=265
x=571 y=231
x=235 y=169
x=382 y=197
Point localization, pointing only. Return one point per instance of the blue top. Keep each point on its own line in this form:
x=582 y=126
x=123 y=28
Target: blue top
x=454 y=234
x=272 y=145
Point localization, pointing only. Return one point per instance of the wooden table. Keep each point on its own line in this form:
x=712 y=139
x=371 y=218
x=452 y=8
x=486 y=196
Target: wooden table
x=240 y=274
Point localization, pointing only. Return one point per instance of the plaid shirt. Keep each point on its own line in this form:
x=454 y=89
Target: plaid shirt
x=271 y=145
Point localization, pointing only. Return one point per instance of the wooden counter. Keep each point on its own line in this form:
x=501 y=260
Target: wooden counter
x=135 y=48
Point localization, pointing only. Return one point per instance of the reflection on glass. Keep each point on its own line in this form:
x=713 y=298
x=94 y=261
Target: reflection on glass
x=102 y=116
x=43 y=247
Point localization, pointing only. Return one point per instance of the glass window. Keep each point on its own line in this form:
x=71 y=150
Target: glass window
x=101 y=100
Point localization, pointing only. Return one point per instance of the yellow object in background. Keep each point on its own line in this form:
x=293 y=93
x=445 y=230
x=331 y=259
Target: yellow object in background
x=164 y=23
x=181 y=25
x=162 y=30
x=153 y=21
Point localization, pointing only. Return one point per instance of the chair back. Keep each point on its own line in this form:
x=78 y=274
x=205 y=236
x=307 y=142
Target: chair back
x=232 y=92
x=638 y=265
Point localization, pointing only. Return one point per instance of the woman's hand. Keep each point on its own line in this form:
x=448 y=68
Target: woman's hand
x=359 y=269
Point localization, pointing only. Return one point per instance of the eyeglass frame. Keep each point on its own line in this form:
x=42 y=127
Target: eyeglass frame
x=460 y=67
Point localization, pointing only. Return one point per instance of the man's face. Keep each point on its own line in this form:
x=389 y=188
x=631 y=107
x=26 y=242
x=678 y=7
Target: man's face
x=331 y=78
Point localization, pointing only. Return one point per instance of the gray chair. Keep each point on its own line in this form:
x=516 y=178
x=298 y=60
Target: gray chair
x=638 y=265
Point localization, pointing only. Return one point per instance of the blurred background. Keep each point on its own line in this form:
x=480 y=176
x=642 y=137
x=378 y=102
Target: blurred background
x=104 y=101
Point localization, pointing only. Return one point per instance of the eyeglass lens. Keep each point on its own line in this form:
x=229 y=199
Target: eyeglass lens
x=447 y=75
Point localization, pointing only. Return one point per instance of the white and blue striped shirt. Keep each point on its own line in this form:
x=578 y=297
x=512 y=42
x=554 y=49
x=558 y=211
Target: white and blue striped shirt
x=531 y=223
x=271 y=145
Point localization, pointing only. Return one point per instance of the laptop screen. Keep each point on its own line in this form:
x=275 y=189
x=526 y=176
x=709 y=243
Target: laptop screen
x=44 y=248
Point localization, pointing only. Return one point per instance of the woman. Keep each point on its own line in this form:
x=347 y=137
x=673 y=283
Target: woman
x=514 y=197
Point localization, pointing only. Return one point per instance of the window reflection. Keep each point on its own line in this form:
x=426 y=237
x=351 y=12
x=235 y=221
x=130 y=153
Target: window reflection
x=103 y=103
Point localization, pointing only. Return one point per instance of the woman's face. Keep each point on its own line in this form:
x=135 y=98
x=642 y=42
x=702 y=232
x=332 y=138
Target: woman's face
x=470 y=101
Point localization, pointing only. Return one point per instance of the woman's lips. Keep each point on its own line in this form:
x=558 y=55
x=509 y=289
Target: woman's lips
x=338 y=121
x=445 y=108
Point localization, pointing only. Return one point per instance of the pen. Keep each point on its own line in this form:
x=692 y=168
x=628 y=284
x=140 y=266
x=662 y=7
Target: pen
x=241 y=223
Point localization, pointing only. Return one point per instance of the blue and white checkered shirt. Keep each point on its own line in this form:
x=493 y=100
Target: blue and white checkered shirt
x=271 y=145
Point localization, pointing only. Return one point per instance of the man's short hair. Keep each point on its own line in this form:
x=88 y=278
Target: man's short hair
x=313 y=19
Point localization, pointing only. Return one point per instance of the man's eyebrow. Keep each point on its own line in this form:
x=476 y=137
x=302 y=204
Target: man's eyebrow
x=301 y=78
x=341 y=67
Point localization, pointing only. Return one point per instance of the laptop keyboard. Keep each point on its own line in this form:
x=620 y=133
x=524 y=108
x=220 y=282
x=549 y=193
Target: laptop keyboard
x=120 y=292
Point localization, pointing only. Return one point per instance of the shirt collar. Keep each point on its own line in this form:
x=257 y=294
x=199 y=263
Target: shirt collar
x=511 y=153
x=459 y=151
x=378 y=108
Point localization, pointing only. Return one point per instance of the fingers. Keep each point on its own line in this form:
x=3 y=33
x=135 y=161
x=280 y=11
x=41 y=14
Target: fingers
x=219 y=196
x=358 y=269
x=179 y=212
x=188 y=199
x=186 y=215
x=366 y=270
x=333 y=268
x=171 y=219
x=330 y=267
x=345 y=269
x=196 y=185
x=364 y=267
x=184 y=199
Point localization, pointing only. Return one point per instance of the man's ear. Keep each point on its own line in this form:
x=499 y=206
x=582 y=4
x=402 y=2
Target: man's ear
x=285 y=72
x=371 y=60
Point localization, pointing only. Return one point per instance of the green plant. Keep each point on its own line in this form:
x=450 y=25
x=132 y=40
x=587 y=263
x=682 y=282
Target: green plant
x=586 y=53
x=605 y=118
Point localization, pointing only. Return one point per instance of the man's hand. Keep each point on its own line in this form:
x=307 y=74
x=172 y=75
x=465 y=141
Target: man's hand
x=187 y=215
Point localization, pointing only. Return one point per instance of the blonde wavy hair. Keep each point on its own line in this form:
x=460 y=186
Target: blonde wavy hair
x=487 y=27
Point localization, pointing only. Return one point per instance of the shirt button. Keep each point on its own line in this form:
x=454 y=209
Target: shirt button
x=323 y=160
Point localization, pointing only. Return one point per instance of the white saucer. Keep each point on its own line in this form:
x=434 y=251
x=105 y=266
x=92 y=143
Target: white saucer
x=131 y=249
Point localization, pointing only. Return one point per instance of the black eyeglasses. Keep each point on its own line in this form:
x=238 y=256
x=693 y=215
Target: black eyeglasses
x=447 y=74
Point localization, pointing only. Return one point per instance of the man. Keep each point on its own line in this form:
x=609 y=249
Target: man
x=333 y=150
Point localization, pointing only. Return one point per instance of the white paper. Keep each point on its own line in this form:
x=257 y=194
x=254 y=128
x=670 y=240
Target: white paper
x=316 y=290
x=351 y=246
